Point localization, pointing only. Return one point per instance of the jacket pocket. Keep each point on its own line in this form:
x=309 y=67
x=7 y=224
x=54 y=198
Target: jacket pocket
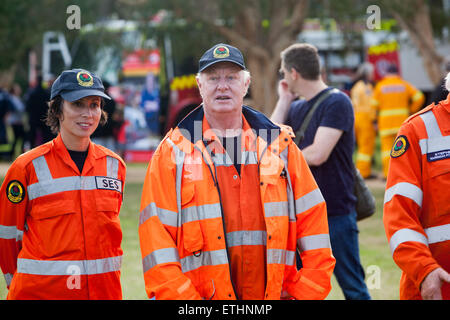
x=108 y=203
x=207 y=289
x=55 y=227
x=52 y=208
x=191 y=228
x=439 y=183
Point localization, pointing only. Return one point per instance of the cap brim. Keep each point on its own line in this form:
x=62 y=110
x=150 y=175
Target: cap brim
x=75 y=95
x=221 y=60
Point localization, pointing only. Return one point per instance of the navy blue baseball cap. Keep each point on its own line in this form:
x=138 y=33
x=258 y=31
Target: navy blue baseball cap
x=219 y=53
x=76 y=84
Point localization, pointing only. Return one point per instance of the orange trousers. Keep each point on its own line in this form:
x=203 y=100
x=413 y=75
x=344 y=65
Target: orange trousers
x=365 y=141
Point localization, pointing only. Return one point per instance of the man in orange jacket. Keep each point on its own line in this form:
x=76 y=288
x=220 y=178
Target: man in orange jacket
x=60 y=233
x=365 y=132
x=228 y=199
x=416 y=203
x=394 y=99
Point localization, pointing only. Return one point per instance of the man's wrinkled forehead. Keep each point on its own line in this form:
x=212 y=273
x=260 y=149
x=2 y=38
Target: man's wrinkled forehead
x=227 y=66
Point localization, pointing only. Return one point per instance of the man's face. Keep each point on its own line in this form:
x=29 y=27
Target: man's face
x=223 y=87
x=287 y=76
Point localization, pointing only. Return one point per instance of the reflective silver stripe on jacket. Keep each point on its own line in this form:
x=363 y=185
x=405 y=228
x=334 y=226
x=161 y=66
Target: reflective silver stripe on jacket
x=404 y=189
x=433 y=235
x=160 y=256
x=10 y=232
x=406 y=235
x=308 y=201
x=206 y=211
x=179 y=162
x=65 y=267
x=280 y=256
x=435 y=141
x=289 y=189
x=112 y=167
x=438 y=233
x=206 y=258
x=276 y=209
x=47 y=185
x=167 y=217
x=246 y=238
x=317 y=241
x=189 y=263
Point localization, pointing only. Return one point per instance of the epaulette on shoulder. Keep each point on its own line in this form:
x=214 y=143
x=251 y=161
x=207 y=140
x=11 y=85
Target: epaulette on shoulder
x=111 y=153
x=418 y=113
x=34 y=153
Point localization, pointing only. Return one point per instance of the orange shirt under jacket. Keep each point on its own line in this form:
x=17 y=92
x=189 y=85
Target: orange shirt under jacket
x=416 y=203
x=60 y=235
x=188 y=248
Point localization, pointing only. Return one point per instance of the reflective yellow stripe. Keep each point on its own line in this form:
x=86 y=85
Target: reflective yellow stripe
x=374 y=103
x=386 y=154
x=417 y=96
x=394 y=112
x=387 y=132
x=363 y=157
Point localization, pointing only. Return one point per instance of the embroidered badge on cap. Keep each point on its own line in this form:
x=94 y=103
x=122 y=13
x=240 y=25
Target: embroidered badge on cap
x=85 y=79
x=400 y=146
x=221 y=52
x=15 y=191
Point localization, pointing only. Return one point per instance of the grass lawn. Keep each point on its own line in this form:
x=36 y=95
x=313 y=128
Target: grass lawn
x=382 y=275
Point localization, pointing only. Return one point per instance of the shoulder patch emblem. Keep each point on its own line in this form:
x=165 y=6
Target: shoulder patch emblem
x=400 y=146
x=15 y=191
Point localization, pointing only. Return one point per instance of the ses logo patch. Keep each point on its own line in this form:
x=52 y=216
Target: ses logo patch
x=15 y=191
x=400 y=146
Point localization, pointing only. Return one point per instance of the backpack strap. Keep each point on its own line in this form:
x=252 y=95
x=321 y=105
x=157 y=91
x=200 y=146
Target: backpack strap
x=300 y=133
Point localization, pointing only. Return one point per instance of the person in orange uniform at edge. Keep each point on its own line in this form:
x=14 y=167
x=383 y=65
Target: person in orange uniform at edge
x=60 y=235
x=365 y=131
x=227 y=200
x=394 y=99
x=416 y=203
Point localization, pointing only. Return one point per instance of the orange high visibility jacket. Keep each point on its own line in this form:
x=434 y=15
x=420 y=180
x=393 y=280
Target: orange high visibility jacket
x=361 y=95
x=182 y=235
x=417 y=198
x=60 y=235
x=365 y=114
x=395 y=99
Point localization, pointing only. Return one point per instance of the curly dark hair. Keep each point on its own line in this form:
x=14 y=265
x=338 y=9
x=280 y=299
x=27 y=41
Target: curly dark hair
x=54 y=113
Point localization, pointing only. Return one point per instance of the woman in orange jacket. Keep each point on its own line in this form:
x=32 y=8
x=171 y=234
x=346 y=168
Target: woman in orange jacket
x=416 y=203
x=228 y=199
x=60 y=236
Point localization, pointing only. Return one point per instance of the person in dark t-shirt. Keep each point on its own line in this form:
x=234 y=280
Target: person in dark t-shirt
x=327 y=147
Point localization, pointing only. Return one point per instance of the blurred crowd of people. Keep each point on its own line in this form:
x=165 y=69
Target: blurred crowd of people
x=22 y=126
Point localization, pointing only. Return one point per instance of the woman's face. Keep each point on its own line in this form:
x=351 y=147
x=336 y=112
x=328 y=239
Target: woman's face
x=79 y=119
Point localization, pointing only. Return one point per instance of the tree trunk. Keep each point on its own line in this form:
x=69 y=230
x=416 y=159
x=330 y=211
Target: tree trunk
x=261 y=45
x=421 y=33
x=263 y=87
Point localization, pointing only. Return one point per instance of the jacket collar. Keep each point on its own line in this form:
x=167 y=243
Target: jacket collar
x=94 y=153
x=192 y=126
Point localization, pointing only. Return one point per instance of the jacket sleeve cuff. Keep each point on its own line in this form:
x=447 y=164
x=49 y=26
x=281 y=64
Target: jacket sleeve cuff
x=309 y=285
